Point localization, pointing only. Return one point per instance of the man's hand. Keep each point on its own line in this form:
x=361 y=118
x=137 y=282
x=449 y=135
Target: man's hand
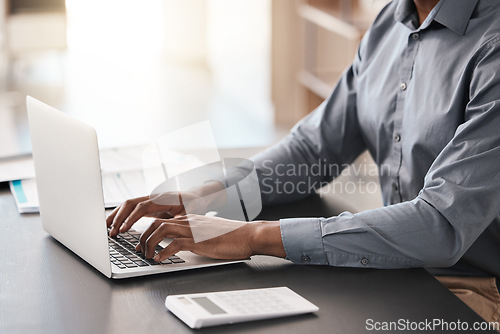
x=166 y=205
x=244 y=240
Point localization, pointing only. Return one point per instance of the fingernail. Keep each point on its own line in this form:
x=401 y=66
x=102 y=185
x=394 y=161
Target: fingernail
x=157 y=258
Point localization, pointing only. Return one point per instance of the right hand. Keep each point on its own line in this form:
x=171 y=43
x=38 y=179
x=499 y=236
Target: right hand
x=166 y=205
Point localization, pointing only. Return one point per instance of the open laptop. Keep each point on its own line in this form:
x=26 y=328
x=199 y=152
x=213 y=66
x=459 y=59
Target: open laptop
x=68 y=177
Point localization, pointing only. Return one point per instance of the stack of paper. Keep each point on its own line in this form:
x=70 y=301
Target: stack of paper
x=25 y=195
x=117 y=187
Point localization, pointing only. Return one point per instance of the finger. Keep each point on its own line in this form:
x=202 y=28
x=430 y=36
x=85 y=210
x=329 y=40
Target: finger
x=109 y=219
x=170 y=229
x=179 y=244
x=160 y=215
x=169 y=232
x=122 y=213
x=172 y=201
x=142 y=209
x=145 y=235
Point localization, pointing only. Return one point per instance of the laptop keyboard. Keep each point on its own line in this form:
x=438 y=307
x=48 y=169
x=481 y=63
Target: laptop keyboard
x=123 y=254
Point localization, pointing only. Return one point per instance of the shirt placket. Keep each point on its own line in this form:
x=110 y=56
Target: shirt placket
x=405 y=81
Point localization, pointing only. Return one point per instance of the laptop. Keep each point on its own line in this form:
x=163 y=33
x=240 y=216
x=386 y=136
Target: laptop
x=68 y=178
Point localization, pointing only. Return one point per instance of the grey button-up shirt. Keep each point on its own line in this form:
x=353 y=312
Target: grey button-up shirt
x=425 y=101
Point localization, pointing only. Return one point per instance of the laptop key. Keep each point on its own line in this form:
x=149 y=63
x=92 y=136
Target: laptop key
x=178 y=261
x=151 y=262
x=123 y=253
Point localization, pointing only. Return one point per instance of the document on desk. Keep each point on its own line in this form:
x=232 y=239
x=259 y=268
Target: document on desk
x=117 y=187
x=25 y=195
x=120 y=186
x=112 y=160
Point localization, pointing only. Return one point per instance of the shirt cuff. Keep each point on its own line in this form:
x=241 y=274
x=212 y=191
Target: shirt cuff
x=302 y=240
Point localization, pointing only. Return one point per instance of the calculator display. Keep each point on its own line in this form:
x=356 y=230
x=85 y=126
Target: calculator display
x=208 y=305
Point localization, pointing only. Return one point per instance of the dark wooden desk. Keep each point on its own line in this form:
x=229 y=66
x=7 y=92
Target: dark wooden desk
x=44 y=288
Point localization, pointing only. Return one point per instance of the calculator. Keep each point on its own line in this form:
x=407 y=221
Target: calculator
x=228 y=307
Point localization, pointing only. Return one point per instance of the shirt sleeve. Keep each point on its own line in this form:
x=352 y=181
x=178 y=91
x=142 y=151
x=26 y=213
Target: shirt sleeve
x=459 y=199
x=329 y=136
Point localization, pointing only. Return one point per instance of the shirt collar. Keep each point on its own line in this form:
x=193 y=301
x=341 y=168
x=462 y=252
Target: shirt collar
x=453 y=14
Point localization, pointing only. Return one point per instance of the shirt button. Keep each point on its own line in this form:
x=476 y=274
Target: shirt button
x=402 y=86
x=364 y=261
x=305 y=258
x=397 y=138
x=415 y=36
x=395 y=186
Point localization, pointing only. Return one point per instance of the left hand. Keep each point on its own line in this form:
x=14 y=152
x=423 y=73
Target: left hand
x=242 y=241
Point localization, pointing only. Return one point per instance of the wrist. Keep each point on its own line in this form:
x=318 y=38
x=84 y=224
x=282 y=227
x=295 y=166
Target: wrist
x=265 y=239
x=213 y=193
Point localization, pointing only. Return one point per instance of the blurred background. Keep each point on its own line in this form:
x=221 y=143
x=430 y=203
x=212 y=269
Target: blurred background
x=137 y=69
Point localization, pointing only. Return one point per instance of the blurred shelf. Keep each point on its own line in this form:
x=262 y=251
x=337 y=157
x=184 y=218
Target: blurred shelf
x=320 y=83
x=315 y=40
x=328 y=22
x=346 y=18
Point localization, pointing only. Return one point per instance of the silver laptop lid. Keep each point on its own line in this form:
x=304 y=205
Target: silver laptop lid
x=68 y=178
